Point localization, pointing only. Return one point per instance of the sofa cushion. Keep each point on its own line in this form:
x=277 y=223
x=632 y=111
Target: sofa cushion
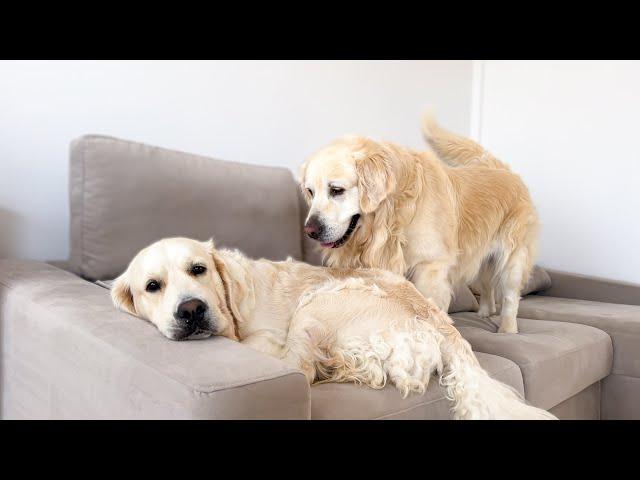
x=584 y=405
x=539 y=280
x=125 y=195
x=463 y=300
x=620 y=394
x=66 y=352
x=621 y=322
x=557 y=359
x=357 y=402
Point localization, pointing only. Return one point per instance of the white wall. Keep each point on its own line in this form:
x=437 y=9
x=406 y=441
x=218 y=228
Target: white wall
x=571 y=129
x=267 y=112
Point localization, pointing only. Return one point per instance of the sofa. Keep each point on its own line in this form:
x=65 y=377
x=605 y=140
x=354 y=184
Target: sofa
x=67 y=353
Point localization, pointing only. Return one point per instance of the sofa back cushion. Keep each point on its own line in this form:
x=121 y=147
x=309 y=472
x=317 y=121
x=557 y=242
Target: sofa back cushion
x=125 y=195
x=463 y=300
x=539 y=281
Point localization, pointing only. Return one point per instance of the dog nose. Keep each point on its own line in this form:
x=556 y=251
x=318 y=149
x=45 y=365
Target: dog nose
x=191 y=311
x=313 y=228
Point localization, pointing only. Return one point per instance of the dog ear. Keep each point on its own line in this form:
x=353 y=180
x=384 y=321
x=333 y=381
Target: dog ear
x=121 y=294
x=301 y=180
x=209 y=246
x=376 y=179
x=232 y=291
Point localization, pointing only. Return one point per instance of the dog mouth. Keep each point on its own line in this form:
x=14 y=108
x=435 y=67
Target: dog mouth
x=193 y=335
x=338 y=243
x=199 y=333
x=196 y=332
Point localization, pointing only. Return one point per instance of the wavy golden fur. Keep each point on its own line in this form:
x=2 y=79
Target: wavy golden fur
x=459 y=215
x=366 y=326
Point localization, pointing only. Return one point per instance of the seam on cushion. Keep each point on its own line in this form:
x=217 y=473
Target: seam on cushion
x=232 y=386
x=408 y=409
x=601 y=328
x=622 y=375
x=213 y=387
x=568 y=352
x=540 y=362
x=109 y=139
x=586 y=300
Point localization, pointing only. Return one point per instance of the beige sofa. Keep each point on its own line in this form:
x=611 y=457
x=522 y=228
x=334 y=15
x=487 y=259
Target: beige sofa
x=67 y=353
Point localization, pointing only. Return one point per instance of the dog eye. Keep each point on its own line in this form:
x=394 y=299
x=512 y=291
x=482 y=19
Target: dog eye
x=198 y=269
x=336 y=191
x=310 y=192
x=152 y=286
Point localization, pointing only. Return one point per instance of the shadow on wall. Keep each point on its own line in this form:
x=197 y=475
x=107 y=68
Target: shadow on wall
x=9 y=233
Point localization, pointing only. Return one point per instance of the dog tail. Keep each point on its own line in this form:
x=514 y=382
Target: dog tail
x=455 y=150
x=475 y=395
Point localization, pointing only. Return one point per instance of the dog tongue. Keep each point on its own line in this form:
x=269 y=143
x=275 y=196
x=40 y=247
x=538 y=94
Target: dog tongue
x=328 y=244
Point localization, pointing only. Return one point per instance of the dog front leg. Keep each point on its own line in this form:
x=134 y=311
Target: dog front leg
x=432 y=281
x=266 y=342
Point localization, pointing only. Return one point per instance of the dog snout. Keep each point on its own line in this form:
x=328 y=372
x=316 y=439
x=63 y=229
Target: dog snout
x=191 y=311
x=314 y=228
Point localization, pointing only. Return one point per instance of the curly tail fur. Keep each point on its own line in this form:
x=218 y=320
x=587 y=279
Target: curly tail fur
x=454 y=149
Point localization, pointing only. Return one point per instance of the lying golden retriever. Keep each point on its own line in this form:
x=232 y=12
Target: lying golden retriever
x=467 y=219
x=365 y=326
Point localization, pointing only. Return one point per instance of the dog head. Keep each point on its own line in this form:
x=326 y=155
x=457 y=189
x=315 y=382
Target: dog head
x=181 y=286
x=342 y=182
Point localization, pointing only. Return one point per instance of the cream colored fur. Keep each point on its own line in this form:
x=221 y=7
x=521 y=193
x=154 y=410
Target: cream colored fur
x=367 y=326
x=460 y=216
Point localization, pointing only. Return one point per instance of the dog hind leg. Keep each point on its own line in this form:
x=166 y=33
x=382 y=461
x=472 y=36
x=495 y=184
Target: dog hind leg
x=511 y=282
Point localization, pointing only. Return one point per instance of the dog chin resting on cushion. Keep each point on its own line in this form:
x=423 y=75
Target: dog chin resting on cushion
x=336 y=325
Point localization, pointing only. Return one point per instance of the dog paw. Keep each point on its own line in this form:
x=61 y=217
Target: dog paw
x=508 y=327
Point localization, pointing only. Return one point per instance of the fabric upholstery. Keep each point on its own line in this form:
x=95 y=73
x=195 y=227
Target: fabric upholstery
x=125 y=195
x=584 y=405
x=557 y=359
x=621 y=322
x=463 y=300
x=349 y=401
x=538 y=281
x=68 y=353
x=585 y=287
x=621 y=398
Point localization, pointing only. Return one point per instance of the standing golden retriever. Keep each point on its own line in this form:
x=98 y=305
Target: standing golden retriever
x=467 y=219
x=366 y=326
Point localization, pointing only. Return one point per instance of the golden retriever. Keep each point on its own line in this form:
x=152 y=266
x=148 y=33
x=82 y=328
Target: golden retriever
x=461 y=216
x=366 y=326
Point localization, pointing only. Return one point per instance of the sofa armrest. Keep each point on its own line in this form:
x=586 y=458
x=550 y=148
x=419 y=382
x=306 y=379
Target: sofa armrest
x=66 y=352
x=585 y=287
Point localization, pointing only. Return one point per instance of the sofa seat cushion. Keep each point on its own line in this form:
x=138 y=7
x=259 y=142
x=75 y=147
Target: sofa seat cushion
x=350 y=401
x=557 y=359
x=621 y=322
